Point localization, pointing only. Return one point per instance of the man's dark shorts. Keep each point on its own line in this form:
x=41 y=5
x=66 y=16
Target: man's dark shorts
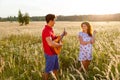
x=51 y=63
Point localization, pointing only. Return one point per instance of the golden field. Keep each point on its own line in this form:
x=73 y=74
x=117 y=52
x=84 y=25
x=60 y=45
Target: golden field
x=22 y=57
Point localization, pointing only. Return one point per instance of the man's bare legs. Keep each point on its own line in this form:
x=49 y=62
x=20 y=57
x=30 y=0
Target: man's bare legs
x=54 y=73
x=45 y=76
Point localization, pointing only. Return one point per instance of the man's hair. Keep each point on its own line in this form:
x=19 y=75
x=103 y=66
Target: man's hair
x=49 y=17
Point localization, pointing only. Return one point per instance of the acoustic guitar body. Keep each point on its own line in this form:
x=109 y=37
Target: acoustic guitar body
x=57 y=49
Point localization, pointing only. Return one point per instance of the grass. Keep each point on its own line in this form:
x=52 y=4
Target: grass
x=22 y=57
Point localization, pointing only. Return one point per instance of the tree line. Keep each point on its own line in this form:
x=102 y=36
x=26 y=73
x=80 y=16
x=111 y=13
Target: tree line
x=23 y=18
x=107 y=17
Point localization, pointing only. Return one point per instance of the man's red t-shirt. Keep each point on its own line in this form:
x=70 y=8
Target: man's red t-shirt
x=48 y=32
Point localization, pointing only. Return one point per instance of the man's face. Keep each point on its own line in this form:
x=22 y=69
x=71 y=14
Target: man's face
x=52 y=22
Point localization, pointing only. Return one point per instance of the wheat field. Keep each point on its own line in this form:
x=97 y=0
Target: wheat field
x=22 y=57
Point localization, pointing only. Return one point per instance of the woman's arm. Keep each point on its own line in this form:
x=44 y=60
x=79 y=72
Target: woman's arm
x=83 y=42
x=93 y=37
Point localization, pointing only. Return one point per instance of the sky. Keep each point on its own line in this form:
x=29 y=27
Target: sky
x=58 y=7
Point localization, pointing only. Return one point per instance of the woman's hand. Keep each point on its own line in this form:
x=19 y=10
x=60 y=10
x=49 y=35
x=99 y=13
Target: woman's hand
x=93 y=37
x=94 y=32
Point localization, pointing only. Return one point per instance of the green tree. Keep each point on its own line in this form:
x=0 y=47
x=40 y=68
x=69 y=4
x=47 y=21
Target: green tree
x=20 y=18
x=10 y=18
x=26 y=18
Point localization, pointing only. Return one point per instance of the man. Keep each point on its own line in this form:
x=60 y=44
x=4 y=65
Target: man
x=48 y=36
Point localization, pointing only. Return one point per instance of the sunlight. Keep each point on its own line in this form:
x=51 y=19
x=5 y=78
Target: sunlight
x=59 y=7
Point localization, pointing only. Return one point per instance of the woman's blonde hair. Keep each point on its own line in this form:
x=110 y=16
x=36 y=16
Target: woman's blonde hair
x=89 y=30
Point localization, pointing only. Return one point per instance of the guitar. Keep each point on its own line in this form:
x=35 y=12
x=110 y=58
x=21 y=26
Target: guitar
x=57 y=50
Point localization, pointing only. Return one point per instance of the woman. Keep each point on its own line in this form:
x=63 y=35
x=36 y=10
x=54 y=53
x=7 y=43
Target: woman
x=86 y=39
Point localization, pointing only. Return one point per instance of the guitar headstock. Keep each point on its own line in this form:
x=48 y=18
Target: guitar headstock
x=64 y=32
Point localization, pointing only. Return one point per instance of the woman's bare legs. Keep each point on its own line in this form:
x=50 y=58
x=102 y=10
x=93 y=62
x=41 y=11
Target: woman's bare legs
x=85 y=65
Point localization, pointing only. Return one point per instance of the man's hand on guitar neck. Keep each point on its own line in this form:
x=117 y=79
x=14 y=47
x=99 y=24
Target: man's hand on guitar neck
x=64 y=33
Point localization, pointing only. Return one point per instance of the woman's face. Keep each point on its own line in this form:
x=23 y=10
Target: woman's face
x=84 y=27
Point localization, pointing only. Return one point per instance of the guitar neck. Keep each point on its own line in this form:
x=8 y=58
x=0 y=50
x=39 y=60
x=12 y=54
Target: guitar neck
x=61 y=37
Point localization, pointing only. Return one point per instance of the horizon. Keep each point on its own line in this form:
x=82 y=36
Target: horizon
x=63 y=7
x=71 y=15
